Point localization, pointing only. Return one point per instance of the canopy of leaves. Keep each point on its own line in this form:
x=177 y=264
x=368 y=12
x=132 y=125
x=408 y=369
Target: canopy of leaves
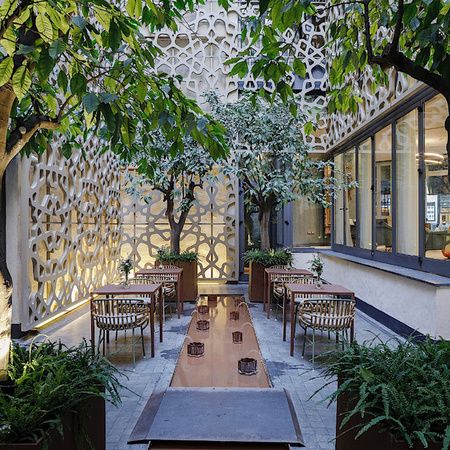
x=269 y=153
x=411 y=36
x=268 y=258
x=174 y=173
x=85 y=66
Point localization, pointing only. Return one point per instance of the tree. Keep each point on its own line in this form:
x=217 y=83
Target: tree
x=270 y=157
x=82 y=67
x=177 y=175
x=365 y=35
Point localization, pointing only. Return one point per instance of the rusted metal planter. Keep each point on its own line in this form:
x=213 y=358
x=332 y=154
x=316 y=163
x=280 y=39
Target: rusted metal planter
x=373 y=439
x=256 y=282
x=89 y=419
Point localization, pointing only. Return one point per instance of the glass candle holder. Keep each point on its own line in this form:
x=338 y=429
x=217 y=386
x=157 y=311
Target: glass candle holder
x=196 y=349
x=202 y=325
x=234 y=315
x=247 y=366
x=203 y=309
x=237 y=337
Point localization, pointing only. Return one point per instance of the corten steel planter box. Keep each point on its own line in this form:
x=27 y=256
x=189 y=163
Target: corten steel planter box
x=256 y=282
x=372 y=439
x=90 y=421
x=189 y=279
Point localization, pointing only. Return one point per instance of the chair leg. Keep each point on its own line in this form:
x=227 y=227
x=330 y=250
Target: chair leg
x=304 y=342
x=313 y=345
x=142 y=339
x=132 y=347
x=99 y=340
x=343 y=341
x=116 y=335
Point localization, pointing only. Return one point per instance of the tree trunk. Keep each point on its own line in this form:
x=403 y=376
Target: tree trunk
x=447 y=127
x=175 y=236
x=264 y=222
x=5 y=290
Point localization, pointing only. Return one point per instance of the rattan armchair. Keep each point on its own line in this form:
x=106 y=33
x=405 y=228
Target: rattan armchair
x=333 y=315
x=120 y=314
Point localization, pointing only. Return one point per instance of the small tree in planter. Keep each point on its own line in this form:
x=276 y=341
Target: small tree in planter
x=258 y=261
x=56 y=398
x=178 y=175
x=392 y=395
x=270 y=156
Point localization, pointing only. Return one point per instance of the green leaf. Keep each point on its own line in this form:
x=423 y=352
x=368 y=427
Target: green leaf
x=6 y=70
x=90 y=102
x=115 y=35
x=78 y=83
x=62 y=80
x=44 y=27
x=45 y=65
x=299 y=68
x=21 y=82
x=9 y=41
x=56 y=48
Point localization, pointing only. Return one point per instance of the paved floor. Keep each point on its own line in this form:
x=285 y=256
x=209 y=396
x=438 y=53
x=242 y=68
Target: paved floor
x=293 y=373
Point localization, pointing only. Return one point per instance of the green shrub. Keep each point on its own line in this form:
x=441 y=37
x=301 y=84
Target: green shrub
x=402 y=388
x=280 y=257
x=48 y=381
x=168 y=257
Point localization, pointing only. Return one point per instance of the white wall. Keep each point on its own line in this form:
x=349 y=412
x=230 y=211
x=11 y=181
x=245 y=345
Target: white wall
x=419 y=305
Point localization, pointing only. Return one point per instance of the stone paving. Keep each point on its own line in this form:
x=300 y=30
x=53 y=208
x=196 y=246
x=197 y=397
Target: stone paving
x=296 y=374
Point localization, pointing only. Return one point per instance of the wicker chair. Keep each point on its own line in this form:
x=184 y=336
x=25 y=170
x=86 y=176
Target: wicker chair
x=333 y=315
x=168 y=285
x=278 y=281
x=120 y=314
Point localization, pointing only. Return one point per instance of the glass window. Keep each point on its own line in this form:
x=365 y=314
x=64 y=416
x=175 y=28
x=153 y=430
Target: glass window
x=350 y=199
x=339 y=202
x=383 y=189
x=437 y=187
x=365 y=194
x=407 y=184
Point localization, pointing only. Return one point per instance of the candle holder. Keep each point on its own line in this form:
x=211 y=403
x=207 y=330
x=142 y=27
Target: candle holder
x=196 y=349
x=202 y=325
x=237 y=337
x=203 y=309
x=234 y=315
x=247 y=366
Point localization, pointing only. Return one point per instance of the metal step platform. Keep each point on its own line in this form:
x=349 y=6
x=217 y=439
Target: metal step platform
x=231 y=417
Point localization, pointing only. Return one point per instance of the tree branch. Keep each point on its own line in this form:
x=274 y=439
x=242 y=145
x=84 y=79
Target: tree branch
x=398 y=25
x=7 y=22
x=25 y=131
x=367 y=30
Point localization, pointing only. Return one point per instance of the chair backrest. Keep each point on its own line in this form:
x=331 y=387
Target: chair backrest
x=119 y=313
x=287 y=266
x=292 y=278
x=332 y=314
x=164 y=266
x=154 y=278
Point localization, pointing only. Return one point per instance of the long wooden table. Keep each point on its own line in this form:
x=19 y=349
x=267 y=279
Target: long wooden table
x=144 y=290
x=292 y=290
x=174 y=272
x=271 y=274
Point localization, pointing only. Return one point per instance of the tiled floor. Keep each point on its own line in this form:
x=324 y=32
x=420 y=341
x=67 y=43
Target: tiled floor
x=293 y=373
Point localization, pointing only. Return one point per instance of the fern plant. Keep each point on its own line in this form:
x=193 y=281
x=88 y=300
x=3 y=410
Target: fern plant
x=400 y=387
x=48 y=381
x=267 y=258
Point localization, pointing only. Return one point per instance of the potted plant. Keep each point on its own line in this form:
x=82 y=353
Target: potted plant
x=125 y=267
x=177 y=176
x=188 y=261
x=392 y=395
x=56 y=398
x=258 y=261
x=316 y=267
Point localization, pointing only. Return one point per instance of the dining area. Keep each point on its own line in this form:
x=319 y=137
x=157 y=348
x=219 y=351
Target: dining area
x=135 y=305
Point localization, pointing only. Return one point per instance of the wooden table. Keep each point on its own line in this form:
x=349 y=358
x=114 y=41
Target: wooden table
x=175 y=272
x=146 y=290
x=270 y=275
x=293 y=290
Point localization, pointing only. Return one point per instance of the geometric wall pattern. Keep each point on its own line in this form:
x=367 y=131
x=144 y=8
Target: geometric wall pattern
x=74 y=213
x=211 y=229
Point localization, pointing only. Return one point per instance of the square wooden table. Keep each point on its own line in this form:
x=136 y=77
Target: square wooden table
x=145 y=290
x=270 y=275
x=175 y=273
x=292 y=290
